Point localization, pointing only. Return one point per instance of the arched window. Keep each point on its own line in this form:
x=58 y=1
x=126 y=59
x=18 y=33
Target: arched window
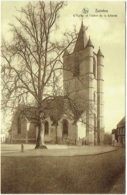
x=19 y=125
x=46 y=125
x=65 y=127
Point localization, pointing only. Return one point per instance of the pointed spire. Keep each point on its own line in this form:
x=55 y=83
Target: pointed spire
x=89 y=43
x=82 y=39
x=100 y=53
x=66 y=53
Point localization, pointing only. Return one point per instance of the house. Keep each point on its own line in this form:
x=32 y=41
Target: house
x=83 y=85
x=3 y=137
x=118 y=134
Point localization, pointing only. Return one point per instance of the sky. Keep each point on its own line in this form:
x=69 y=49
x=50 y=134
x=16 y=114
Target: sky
x=106 y=31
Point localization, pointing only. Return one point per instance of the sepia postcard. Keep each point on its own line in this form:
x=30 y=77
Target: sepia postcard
x=63 y=97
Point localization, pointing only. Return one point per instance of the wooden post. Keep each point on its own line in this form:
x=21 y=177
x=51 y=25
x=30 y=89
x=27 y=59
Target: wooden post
x=22 y=148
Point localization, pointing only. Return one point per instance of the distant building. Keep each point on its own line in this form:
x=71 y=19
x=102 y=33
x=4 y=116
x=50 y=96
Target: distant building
x=118 y=134
x=2 y=137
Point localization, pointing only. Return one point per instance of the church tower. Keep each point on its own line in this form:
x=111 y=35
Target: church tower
x=83 y=84
x=100 y=97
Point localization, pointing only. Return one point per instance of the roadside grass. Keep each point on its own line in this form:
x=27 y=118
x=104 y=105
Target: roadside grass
x=61 y=175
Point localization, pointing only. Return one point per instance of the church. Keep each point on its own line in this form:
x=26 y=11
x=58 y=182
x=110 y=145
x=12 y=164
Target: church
x=82 y=101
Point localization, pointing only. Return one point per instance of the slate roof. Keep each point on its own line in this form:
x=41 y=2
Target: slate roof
x=100 y=53
x=81 y=40
x=51 y=107
x=89 y=44
x=121 y=123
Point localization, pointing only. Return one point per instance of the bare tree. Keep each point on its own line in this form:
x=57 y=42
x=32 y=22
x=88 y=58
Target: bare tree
x=31 y=61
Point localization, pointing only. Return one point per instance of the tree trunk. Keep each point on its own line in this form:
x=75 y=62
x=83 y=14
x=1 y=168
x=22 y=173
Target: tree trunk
x=40 y=138
x=56 y=134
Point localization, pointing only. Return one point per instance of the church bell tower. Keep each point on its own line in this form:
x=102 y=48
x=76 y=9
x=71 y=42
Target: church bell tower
x=83 y=84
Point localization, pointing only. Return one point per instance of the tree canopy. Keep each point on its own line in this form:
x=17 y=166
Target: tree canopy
x=32 y=60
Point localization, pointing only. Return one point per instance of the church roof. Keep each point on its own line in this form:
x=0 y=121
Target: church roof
x=81 y=40
x=30 y=112
x=53 y=108
x=100 y=53
x=89 y=43
x=66 y=53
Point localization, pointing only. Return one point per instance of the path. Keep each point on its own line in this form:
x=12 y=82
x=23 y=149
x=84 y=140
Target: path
x=53 y=150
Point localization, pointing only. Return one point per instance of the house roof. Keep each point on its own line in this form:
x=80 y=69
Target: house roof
x=121 y=123
x=114 y=131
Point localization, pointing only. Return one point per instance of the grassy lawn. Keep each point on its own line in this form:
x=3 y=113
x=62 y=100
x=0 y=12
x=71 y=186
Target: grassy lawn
x=78 y=174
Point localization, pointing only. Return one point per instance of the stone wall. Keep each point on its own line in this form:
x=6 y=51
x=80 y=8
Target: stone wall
x=22 y=136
